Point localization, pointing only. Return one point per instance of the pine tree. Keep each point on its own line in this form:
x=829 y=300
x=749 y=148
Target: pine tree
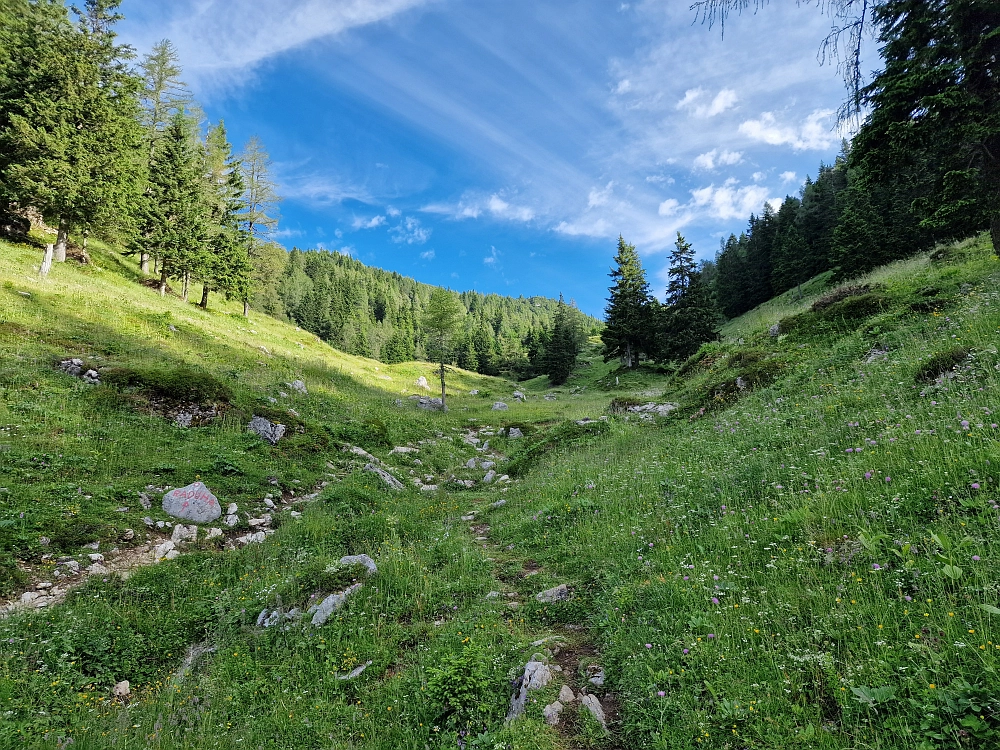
x=859 y=239
x=564 y=344
x=627 y=331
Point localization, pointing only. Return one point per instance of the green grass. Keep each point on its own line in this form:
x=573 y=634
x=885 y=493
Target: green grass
x=743 y=578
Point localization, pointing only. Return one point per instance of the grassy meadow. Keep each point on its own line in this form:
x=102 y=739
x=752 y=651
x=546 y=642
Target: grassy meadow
x=802 y=554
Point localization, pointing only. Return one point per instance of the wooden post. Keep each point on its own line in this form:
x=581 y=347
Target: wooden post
x=62 y=238
x=46 y=261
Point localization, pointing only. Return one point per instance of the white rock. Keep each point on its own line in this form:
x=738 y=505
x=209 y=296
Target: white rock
x=96 y=557
x=363 y=453
x=356 y=672
x=385 y=476
x=592 y=704
x=121 y=689
x=160 y=551
x=360 y=560
x=192 y=503
x=500 y=406
x=231 y=520
x=490 y=476
x=29 y=596
x=519 y=396
x=331 y=604
x=182 y=534
x=551 y=713
x=487 y=465
x=298 y=386
x=268 y=502
x=428 y=488
x=422 y=383
x=231 y=509
x=470 y=464
x=555 y=594
x=514 y=433
x=566 y=694
x=213 y=533
x=474 y=392
x=268 y=430
x=403 y=449
x=536 y=676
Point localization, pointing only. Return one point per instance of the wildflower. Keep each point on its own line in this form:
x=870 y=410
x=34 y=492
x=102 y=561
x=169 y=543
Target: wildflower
x=975 y=485
x=888 y=480
x=660 y=693
x=649 y=645
x=908 y=598
x=931 y=686
x=684 y=651
x=711 y=635
x=715 y=600
x=975 y=558
x=868 y=475
x=876 y=566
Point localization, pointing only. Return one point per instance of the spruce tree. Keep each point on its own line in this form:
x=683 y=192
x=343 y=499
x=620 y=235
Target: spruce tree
x=176 y=219
x=564 y=344
x=688 y=317
x=627 y=330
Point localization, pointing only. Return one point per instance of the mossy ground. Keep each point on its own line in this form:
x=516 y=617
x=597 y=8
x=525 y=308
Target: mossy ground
x=802 y=554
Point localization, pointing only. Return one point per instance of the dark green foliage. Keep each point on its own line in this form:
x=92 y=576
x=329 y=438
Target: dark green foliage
x=689 y=317
x=465 y=689
x=564 y=343
x=856 y=307
x=620 y=404
x=941 y=363
x=183 y=384
x=628 y=320
x=839 y=294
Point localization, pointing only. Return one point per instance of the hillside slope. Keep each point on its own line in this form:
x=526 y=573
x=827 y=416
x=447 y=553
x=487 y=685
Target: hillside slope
x=801 y=553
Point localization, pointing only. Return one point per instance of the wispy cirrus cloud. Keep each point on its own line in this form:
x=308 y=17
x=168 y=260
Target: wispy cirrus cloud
x=410 y=232
x=473 y=207
x=698 y=102
x=716 y=158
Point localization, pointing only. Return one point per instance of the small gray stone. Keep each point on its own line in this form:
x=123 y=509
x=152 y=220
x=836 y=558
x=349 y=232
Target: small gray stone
x=592 y=704
x=536 y=676
x=566 y=694
x=595 y=675
x=470 y=464
x=192 y=503
x=364 y=560
x=487 y=465
x=551 y=713
x=774 y=331
x=356 y=672
x=519 y=396
x=385 y=476
x=490 y=476
x=213 y=533
x=403 y=449
x=298 y=386
x=183 y=534
x=96 y=557
x=121 y=689
x=231 y=520
x=474 y=392
x=331 y=604
x=231 y=509
x=514 y=433
x=422 y=383
x=500 y=406
x=556 y=594
x=270 y=431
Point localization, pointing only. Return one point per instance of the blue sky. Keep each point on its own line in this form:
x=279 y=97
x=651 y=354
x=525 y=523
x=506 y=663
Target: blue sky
x=503 y=145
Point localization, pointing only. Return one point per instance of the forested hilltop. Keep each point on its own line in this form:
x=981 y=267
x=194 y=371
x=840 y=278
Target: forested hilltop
x=375 y=313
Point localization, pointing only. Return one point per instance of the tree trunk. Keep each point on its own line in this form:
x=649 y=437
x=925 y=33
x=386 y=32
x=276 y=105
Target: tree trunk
x=163 y=282
x=995 y=233
x=444 y=407
x=246 y=308
x=62 y=239
x=143 y=262
x=46 y=261
x=204 y=297
x=86 y=235
x=185 y=286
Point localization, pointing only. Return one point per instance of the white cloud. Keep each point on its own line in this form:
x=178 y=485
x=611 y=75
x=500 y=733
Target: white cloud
x=714 y=158
x=393 y=212
x=600 y=197
x=410 y=232
x=472 y=207
x=669 y=207
x=813 y=133
x=427 y=255
x=317 y=188
x=491 y=259
x=624 y=86
x=729 y=201
x=216 y=39
x=372 y=223
x=658 y=178
x=789 y=177
x=695 y=102
x=758 y=176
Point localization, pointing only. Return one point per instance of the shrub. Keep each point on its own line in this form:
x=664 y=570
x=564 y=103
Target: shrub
x=940 y=363
x=839 y=294
x=620 y=404
x=459 y=689
x=185 y=383
x=855 y=307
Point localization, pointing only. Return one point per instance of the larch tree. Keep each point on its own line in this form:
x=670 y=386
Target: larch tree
x=627 y=318
x=163 y=95
x=442 y=316
x=261 y=199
